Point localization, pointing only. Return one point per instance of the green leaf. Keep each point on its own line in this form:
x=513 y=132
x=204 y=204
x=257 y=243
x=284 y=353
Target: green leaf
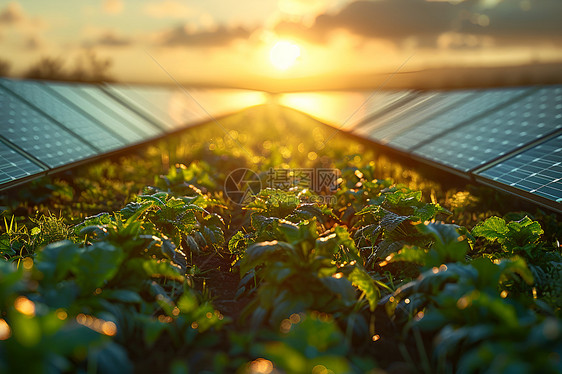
x=341 y=287
x=350 y=251
x=492 y=229
x=96 y=265
x=362 y=280
x=6 y=246
x=259 y=253
x=449 y=245
x=237 y=243
x=112 y=359
x=162 y=269
x=56 y=260
x=152 y=199
x=411 y=254
x=124 y=296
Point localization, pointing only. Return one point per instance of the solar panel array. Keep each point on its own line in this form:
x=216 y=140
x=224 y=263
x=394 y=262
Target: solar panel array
x=48 y=126
x=510 y=138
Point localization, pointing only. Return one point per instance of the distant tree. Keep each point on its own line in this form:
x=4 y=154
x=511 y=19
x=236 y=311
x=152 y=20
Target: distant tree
x=5 y=67
x=47 y=68
x=88 y=67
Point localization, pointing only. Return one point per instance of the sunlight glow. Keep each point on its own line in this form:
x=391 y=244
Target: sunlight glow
x=284 y=54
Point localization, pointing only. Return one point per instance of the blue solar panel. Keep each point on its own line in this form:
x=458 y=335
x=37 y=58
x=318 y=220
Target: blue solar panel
x=65 y=114
x=37 y=135
x=406 y=120
x=421 y=101
x=474 y=106
x=132 y=128
x=15 y=166
x=537 y=170
x=501 y=132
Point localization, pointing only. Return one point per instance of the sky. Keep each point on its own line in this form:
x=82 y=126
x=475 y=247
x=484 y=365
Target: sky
x=230 y=42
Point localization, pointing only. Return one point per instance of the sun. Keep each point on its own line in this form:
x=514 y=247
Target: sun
x=284 y=54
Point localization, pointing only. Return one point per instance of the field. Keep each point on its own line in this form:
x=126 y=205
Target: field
x=270 y=243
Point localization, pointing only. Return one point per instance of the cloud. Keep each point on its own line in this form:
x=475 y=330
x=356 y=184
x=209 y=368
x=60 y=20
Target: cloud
x=21 y=30
x=221 y=36
x=519 y=20
x=112 y=6
x=12 y=14
x=34 y=43
x=108 y=39
x=168 y=9
x=426 y=21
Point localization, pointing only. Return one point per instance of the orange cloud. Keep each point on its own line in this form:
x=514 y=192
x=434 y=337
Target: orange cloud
x=12 y=14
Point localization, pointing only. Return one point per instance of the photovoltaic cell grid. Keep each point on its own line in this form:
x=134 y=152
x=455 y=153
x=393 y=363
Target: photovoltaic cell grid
x=38 y=135
x=89 y=130
x=499 y=133
x=168 y=106
x=537 y=170
x=376 y=103
x=93 y=108
x=387 y=129
x=464 y=111
x=121 y=112
x=14 y=166
x=421 y=100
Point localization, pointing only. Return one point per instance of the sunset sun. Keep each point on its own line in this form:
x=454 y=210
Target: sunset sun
x=284 y=54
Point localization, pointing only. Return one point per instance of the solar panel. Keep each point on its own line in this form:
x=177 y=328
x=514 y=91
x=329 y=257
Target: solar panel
x=343 y=110
x=474 y=106
x=376 y=103
x=384 y=132
x=503 y=131
x=367 y=128
x=121 y=111
x=65 y=114
x=14 y=165
x=537 y=170
x=168 y=105
x=37 y=135
x=108 y=112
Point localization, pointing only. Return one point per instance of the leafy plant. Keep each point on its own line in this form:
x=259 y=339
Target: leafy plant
x=386 y=224
x=303 y=258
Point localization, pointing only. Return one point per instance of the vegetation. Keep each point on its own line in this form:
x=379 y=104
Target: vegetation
x=145 y=263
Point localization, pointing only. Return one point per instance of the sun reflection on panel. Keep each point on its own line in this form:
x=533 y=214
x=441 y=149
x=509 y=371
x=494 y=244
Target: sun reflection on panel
x=340 y=109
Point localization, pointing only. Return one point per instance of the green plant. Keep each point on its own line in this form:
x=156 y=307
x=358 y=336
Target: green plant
x=386 y=224
x=304 y=258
